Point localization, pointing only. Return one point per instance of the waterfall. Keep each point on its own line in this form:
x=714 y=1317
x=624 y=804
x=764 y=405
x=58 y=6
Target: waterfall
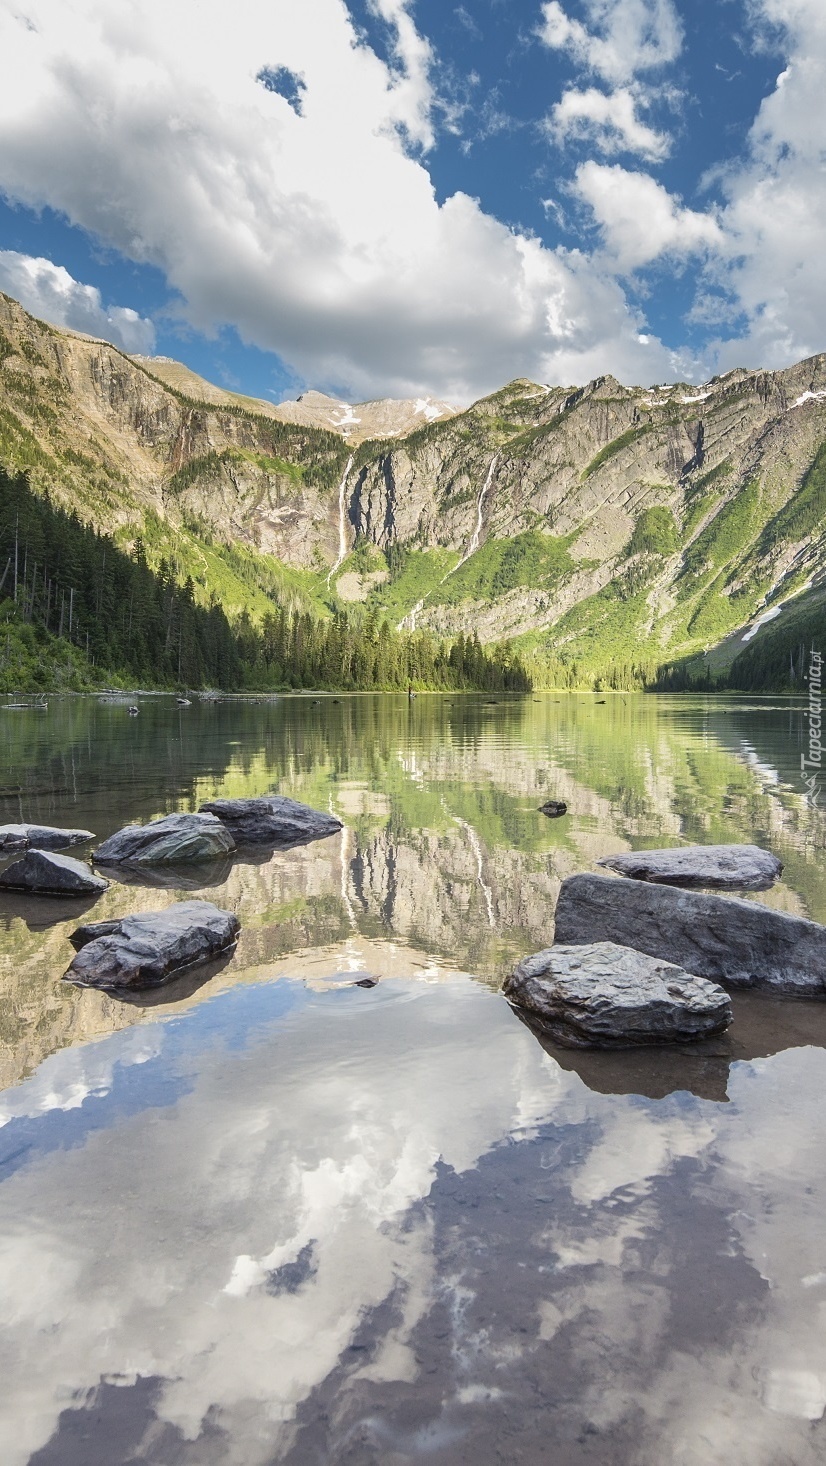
x=480 y=504
x=342 y=520
x=409 y=620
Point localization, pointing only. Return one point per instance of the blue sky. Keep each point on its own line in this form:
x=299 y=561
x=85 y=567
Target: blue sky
x=389 y=197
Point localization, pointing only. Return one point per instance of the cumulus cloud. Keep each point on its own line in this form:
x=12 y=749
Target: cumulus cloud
x=319 y=235
x=775 y=219
x=625 y=36
x=639 y=220
x=610 y=121
x=52 y=294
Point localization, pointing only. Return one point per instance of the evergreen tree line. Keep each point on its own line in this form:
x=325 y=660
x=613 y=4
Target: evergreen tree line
x=62 y=583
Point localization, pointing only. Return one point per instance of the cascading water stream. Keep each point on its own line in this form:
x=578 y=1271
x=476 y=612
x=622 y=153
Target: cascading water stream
x=342 y=520
x=480 y=505
x=409 y=621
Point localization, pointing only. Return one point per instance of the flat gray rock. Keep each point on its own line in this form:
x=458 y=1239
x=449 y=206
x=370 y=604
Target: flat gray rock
x=176 y=839
x=45 y=874
x=40 y=837
x=272 y=820
x=602 y=996
x=719 y=867
x=146 y=950
x=740 y=944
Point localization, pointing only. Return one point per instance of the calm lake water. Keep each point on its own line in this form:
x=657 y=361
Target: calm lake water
x=276 y=1217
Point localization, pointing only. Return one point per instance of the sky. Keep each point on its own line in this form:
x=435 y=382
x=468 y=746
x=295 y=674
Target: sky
x=414 y=197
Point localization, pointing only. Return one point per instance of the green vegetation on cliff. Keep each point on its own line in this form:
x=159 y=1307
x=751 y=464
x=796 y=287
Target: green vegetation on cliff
x=77 y=611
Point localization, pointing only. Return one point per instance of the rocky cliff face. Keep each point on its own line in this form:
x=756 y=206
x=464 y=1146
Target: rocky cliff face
x=659 y=519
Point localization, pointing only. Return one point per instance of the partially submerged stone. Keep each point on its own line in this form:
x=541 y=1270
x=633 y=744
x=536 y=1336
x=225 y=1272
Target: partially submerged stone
x=150 y=948
x=40 y=837
x=720 y=867
x=176 y=839
x=553 y=808
x=46 y=874
x=740 y=944
x=272 y=820
x=601 y=995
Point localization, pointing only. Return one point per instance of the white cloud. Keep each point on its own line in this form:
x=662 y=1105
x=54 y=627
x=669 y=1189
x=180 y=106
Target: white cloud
x=317 y=236
x=626 y=36
x=51 y=294
x=610 y=121
x=639 y=219
x=775 y=219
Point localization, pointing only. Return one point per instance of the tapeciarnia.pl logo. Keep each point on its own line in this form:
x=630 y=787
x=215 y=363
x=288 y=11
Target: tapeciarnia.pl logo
x=811 y=765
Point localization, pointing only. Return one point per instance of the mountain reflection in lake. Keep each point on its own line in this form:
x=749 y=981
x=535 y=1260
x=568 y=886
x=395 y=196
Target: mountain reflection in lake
x=275 y=1217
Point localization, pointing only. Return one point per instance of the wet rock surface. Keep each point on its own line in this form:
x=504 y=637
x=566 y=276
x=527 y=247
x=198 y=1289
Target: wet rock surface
x=146 y=950
x=553 y=808
x=53 y=875
x=273 y=819
x=740 y=944
x=40 y=837
x=721 y=867
x=601 y=995
x=176 y=839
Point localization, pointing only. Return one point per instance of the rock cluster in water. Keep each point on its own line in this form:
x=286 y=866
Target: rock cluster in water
x=629 y=933
x=146 y=950
x=738 y=943
x=602 y=995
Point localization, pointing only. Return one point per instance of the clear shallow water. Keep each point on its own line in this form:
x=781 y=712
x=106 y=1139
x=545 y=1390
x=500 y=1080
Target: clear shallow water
x=277 y=1218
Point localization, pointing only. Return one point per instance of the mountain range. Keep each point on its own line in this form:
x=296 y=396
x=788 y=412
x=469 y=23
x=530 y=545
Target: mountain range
x=599 y=526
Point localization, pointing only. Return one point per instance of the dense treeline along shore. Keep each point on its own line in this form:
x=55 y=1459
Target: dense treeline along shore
x=77 y=612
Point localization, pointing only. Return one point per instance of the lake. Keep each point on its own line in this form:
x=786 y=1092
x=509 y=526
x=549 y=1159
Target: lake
x=271 y=1216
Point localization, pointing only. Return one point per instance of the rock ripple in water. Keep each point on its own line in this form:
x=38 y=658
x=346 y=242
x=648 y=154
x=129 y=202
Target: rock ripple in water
x=176 y=839
x=601 y=996
x=45 y=874
x=721 y=867
x=146 y=950
x=740 y=944
x=40 y=837
x=272 y=820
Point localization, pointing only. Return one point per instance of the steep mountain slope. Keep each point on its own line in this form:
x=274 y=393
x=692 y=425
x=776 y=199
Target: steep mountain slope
x=602 y=525
x=627 y=520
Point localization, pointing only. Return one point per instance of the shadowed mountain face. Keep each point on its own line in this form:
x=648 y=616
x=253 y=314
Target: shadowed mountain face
x=635 y=524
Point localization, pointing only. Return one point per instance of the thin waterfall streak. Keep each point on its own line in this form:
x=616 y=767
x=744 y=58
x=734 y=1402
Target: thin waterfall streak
x=476 y=846
x=344 y=866
x=342 y=532
x=480 y=504
x=409 y=621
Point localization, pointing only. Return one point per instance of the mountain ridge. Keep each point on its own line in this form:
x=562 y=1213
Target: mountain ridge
x=598 y=525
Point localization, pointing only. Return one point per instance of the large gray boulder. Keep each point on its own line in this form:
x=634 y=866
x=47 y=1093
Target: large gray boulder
x=601 y=995
x=720 y=867
x=52 y=875
x=740 y=944
x=173 y=840
x=148 y=949
x=272 y=820
x=40 y=837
